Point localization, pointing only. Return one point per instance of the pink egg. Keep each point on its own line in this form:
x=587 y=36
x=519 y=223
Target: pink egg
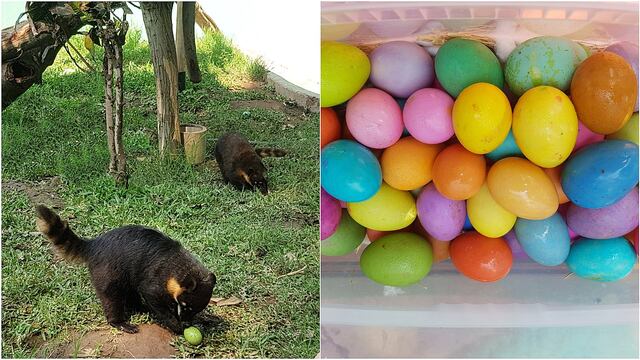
x=608 y=222
x=427 y=116
x=441 y=218
x=586 y=137
x=330 y=214
x=400 y=68
x=374 y=118
x=516 y=248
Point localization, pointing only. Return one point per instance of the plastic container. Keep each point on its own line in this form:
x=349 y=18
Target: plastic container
x=194 y=142
x=536 y=311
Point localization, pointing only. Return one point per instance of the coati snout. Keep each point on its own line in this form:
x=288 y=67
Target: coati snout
x=241 y=165
x=135 y=268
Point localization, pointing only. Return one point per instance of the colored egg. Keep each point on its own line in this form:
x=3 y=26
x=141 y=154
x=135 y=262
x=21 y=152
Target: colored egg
x=345 y=239
x=522 y=188
x=604 y=91
x=350 y=172
x=545 y=126
x=458 y=173
x=562 y=210
x=343 y=71
x=401 y=67
x=374 y=118
x=192 y=335
x=407 y=164
x=555 y=174
x=460 y=63
x=601 y=174
x=506 y=149
x=487 y=216
x=440 y=248
x=467 y=223
x=481 y=118
x=330 y=213
x=586 y=137
x=545 y=241
x=629 y=51
x=481 y=258
x=399 y=259
x=516 y=249
x=374 y=235
x=427 y=116
x=389 y=209
x=601 y=259
x=330 y=128
x=544 y=60
x=612 y=221
x=633 y=239
x=628 y=132
x=442 y=218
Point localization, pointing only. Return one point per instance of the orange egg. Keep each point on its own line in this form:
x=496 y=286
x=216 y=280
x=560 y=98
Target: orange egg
x=604 y=91
x=440 y=248
x=329 y=126
x=554 y=174
x=406 y=165
x=481 y=258
x=458 y=173
x=374 y=235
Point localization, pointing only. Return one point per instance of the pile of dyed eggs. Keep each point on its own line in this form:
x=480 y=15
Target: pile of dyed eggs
x=461 y=157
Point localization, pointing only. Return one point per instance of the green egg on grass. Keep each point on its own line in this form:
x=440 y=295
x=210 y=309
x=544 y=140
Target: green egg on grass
x=193 y=335
x=345 y=239
x=398 y=259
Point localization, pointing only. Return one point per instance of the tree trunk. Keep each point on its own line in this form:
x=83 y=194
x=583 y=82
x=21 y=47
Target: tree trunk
x=121 y=160
x=107 y=71
x=182 y=65
x=205 y=21
x=188 y=29
x=157 y=22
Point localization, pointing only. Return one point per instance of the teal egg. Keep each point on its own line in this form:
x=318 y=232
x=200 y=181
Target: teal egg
x=506 y=149
x=601 y=259
x=544 y=60
x=545 y=241
x=461 y=62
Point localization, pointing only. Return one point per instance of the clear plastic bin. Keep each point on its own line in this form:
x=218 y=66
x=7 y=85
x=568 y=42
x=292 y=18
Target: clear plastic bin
x=536 y=311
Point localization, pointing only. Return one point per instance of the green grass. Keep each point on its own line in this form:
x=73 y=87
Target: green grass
x=248 y=240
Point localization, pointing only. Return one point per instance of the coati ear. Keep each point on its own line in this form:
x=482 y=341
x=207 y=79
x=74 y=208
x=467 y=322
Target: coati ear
x=245 y=176
x=190 y=283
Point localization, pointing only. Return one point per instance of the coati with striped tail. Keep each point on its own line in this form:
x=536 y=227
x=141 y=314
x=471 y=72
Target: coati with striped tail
x=241 y=164
x=135 y=268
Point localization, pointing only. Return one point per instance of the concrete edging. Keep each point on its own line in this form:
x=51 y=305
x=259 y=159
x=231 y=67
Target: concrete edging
x=302 y=97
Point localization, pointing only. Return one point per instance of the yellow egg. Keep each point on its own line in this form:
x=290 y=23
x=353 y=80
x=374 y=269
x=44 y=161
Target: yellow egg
x=344 y=69
x=545 y=126
x=481 y=117
x=389 y=209
x=628 y=132
x=522 y=188
x=487 y=216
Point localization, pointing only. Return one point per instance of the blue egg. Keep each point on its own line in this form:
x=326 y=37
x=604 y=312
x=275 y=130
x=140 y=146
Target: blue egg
x=350 y=171
x=467 y=224
x=601 y=259
x=601 y=174
x=506 y=149
x=545 y=241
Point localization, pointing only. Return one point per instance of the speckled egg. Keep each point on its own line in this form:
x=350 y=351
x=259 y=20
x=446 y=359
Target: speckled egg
x=601 y=259
x=611 y=221
x=544 y=60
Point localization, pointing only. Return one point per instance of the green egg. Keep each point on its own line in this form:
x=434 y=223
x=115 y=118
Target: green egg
x=461 y=62
x=398 y=259
x=193 y=335
x=544 y=60
x=345 y=239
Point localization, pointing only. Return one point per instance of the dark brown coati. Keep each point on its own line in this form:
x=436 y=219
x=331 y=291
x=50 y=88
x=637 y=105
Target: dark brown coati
x=135 y=268
x=241 y=164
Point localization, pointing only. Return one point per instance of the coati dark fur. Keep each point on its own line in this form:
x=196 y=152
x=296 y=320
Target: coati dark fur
x=241 y=164
x=135 y=268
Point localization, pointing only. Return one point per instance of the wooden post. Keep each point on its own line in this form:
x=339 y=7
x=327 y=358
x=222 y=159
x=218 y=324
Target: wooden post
x=157 y=22
x=182 y=65
x=188 y=27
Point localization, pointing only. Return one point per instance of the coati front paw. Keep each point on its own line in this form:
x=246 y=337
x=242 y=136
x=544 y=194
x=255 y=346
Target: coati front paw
x=126 y=327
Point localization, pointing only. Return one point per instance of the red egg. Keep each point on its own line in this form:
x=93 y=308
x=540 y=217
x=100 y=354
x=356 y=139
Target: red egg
x=481 y=258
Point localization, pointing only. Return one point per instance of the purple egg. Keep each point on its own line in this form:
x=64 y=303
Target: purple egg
x=330 y=214
x=400 y=68
x=516 y=248
x=629 y=51
x=608 y=222
x=440 y=217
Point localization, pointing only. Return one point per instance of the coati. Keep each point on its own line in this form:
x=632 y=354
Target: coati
x=241 y=164
x=135 y=268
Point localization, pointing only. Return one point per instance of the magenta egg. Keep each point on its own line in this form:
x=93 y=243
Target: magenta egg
x=330 y=214
x=608 y=222
x=440 y=217
x=427 y=116
x=586 y=137
x=629 y=51
x=400 y=68
x=374 y=118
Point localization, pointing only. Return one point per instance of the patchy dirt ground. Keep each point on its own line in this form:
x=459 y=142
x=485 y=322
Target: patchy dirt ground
x=43 y=192
x=152 y=341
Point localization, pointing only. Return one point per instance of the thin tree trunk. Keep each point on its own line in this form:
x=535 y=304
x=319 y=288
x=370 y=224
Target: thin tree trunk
x=188 y=29
x=107 y=70
x=121 y=160
x=182 y=65
x=157 y=22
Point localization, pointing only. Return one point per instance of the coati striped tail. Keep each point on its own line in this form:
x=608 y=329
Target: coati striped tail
x=270 y=152
x=67 y=244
